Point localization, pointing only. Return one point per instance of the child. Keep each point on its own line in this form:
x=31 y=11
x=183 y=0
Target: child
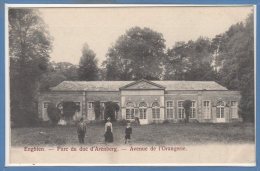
x=128 y=132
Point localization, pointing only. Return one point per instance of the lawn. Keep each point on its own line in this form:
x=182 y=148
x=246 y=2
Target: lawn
x=167 y=134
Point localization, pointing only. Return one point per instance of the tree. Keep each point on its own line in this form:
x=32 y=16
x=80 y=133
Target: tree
x=237 y=58
x=110 y=109
x=137 y=54
x=88 y=69
x=29 y=48
x=56 y=73
x=69 y=70
x=190 y=61
x=187 y=108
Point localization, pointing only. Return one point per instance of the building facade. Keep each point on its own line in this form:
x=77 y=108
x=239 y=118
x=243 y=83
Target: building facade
x=149 y=101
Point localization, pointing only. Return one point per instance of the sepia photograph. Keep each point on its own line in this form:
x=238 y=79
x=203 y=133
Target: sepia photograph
x=130 y=85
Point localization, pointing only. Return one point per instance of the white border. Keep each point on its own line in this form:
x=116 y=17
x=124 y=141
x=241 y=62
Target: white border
x=121 y=5
x=7 y=92
x=7 y=79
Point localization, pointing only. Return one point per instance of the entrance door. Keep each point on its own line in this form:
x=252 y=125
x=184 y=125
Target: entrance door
x=44 y=111
x=143 y=113
x=143 y=116
x=220 y=115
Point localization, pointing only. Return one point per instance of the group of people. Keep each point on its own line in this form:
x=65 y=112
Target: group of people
x=82 y=128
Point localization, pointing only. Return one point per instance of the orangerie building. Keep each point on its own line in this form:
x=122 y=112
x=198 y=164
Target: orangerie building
x=150 y=101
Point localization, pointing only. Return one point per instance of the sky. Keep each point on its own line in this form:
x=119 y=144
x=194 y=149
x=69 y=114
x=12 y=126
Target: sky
x=101 y=27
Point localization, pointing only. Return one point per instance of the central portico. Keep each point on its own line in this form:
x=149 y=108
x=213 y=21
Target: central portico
x=143 y=99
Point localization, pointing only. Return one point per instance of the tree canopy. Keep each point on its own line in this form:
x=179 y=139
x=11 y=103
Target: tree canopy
x=137 y=54
x=56 y=73
x=190 y=61
x=88 y=69
x=29 y=48
x=237 y=63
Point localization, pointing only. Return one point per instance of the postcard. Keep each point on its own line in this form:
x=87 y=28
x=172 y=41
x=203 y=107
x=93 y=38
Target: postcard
x=130 y=85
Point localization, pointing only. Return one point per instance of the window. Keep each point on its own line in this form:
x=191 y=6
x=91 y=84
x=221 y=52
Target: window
x=130 y=111
x=206 y=110
x=142 y=113
x=142 y=110
x=90 y=105
x=169 y=109
x=180 y=110
x=102 y=109
x=45 y=104
x=234 y=112
x=136 y=112
x=77 y=106
x=193 y=109
x=143 y=104
x=130 y=114
x=156 y=110
x=220 y=109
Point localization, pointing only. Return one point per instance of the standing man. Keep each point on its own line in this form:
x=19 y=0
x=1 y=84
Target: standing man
x=81 y=130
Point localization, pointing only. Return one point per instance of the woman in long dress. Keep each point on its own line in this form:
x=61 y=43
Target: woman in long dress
x=108 y=131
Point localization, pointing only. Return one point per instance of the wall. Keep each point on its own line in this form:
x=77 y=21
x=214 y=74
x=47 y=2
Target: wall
x=147 y=96
x=102 y=96
x=58 y=97
x=199 y=97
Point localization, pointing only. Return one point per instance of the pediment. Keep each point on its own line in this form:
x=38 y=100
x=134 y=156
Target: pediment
x=142 y=85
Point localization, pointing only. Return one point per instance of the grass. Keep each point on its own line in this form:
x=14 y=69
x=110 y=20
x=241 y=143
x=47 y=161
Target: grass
x=163 y=134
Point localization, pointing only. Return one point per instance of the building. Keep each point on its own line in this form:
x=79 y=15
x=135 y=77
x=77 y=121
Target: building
x=150 y=101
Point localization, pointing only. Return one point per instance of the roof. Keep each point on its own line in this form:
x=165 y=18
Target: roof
x=116 y=85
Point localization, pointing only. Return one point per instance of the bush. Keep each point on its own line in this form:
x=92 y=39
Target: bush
x=23 y=115
x=69 y=109
x=166 y=121
x=54 y=113
x=123 y=122
x=110 y=109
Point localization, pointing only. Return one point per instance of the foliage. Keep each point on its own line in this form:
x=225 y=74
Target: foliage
x=190 y=61
x=97 y=109
x=110 y=109
x=88 y=69
x=54 y=113
x=29 y=48
x=187 y=108
x=69 y=70
x=51 y=79
x=56 y=73
x=137 y=54
x=69 y=109
x=237 y=59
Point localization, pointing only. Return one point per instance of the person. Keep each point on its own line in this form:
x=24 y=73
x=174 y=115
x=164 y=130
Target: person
x=81 y=130
x=108 y=131
x=128 y=132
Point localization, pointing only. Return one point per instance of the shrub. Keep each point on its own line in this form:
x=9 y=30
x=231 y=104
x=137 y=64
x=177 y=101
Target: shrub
x=187 y=108
x=166 y=121
x=54 y=113
x=69 y=109
x=110 y=109
x=123 y=122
